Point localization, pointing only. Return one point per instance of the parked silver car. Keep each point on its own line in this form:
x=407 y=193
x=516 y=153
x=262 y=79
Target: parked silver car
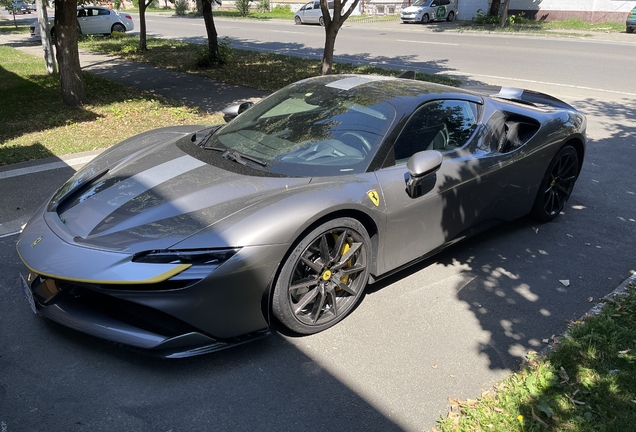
x=94 y=20
x=311 y=13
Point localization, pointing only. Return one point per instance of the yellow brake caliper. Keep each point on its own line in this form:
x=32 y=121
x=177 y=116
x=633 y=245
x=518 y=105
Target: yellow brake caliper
x=344 y=279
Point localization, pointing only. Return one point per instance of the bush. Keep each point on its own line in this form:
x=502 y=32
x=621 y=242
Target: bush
x=180 y=7
x=243 y=6
x=263 y=6
x=206 y=60
x=282 y=8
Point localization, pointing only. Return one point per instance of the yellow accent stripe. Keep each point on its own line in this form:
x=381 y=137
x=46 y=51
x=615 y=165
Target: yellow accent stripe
x=156 y=279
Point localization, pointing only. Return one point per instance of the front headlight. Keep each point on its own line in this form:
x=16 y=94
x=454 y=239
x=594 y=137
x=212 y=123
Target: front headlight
x=203 y=261
x=194 y=257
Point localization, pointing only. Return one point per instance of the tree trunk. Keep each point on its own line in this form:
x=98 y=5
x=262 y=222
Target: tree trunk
x=504 y=14
x=210 y=28
x=71 y=81
x=47 y=44
x=332 y=27
x=330 y=42
x=494 y=8
x=143 y=45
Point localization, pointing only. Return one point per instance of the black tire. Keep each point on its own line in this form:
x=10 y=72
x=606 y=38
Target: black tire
x=629 y=30
x=557 y=185
x=118 y=27
x=324 y=277
x=297 y=20
x=425 y=19
x=451 y=16
x=321 y=21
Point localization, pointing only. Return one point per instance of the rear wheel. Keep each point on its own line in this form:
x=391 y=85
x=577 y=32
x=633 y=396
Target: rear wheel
x=557 y=185
x=629 y=30
x=324 y=276
x=425 y=19
x=451 y=16
x=119 y=28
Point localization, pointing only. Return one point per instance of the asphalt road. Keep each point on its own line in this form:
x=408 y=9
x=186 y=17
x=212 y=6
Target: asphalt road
x=450 y=326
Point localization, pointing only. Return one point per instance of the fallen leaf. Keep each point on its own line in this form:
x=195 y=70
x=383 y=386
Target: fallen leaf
x=583 y=354
x=570 y=235
x=536 y=230
x=434 y=366
x=574 y=401
x=624 y=351
x=590 y=299
x=565 y=282
x=499 y=410
x=564 y=376
x=545 y=340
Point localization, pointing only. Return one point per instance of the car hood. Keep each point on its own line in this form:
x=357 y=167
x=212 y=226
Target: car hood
x=155 y=198
x=413 y=9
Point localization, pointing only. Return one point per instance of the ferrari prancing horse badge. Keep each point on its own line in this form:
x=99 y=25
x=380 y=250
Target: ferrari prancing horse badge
x=375 y=198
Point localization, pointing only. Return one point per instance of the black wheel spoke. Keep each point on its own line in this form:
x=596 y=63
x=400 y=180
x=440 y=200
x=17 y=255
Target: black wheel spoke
x=309 y=263
x=316 y=310
x=324 y=249
x=347 y=256
x=354 y=269
x=337 y=249
x=345 y=287
x=304 y=283
x=305 y=300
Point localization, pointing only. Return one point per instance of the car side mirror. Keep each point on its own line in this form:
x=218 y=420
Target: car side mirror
x=421 y=165
x=234 y=110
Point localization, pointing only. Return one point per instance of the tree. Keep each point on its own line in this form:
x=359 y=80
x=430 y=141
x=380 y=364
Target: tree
x=71 y=81
x=332 y=27
x=214 y=56
x=47 y=43
x=494 y=8
x=9 y=6
x=143 y=5
x=504 y=14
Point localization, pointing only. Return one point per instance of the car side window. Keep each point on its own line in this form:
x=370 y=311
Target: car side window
x=441 y=125
x=103 y=12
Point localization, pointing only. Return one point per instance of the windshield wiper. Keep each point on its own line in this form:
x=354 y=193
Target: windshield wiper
x=206 y=138
x=236 y=156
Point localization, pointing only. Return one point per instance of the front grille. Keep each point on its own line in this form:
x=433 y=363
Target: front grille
x=136 y=315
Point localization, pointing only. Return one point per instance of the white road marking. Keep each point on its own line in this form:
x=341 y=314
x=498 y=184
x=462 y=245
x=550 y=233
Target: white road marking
x=285 y=31
x=10 y=234
x=547 y=83
x=46 y=167
x=427 y=42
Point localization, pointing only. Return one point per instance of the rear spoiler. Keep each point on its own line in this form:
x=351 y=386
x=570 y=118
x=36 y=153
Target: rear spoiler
x=529 y=97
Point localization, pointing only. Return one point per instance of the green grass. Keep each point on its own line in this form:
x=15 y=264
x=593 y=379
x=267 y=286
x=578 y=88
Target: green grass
x=265 y=71
x=37 y=124
x=587 y=383
x=518 y=24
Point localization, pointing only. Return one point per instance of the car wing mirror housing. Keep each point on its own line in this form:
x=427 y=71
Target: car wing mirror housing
x=234 y=110
x=421 y=165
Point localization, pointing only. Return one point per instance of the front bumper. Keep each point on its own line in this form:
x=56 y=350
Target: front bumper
x=132 y=325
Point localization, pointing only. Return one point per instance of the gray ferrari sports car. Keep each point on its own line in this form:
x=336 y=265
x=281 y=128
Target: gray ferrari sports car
x=186 y=240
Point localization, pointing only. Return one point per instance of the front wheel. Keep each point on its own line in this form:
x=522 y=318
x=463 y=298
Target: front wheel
x=557 y=185
x=297 y=20
x=324 y=276
x=321 y=20
x=425 y=19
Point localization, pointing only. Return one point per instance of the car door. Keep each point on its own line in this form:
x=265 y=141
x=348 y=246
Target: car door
x=97 y=21
x=456 y=197
x=442 y=9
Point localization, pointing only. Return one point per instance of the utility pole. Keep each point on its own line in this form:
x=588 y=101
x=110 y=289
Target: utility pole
x=45 y=34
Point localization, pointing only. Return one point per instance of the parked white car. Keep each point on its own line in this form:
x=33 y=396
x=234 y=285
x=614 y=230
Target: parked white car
x=311 y=13
x=94 y=20
x=423 y=11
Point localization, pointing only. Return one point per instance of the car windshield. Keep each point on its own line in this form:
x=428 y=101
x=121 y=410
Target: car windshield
x=426 y=3
x=313 y=128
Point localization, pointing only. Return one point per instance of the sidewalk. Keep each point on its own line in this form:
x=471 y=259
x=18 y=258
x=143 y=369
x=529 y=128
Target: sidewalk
x=205 y=93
